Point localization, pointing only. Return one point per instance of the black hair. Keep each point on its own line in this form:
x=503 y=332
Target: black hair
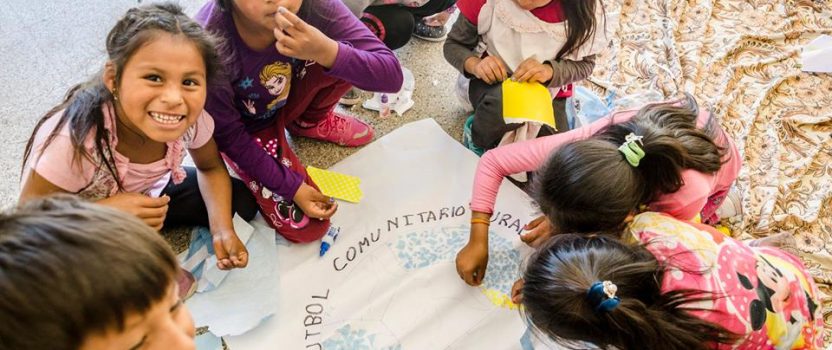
x=589 y=185
x=81 y=108
x=559 y=275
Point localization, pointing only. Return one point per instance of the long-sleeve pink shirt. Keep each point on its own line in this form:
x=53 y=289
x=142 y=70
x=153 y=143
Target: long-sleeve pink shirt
x=683 y=204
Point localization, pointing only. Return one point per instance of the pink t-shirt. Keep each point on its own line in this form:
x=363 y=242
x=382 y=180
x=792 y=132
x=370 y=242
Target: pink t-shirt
x=530 y=155
x=762 y=294
x=92 y=180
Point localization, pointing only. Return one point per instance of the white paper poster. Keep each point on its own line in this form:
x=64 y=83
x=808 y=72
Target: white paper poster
x=390 y=281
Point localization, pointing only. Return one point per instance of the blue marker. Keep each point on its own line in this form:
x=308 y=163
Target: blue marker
x=329 y=239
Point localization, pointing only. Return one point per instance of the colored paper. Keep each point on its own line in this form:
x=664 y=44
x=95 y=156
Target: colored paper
x=336 y=185
x=527 y=102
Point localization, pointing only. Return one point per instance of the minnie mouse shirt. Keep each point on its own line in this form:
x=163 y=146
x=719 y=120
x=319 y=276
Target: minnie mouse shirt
x=762 y=294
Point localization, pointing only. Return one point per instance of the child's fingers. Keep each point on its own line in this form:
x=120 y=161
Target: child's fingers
x=480 y=275
x=282 y=22
x=240 y=259
x=152 y=213
x=468 y=277
x=293 y=19
x=496 y=75
x=529 y=237
x=333 y=207
x=532 y=224
x=502 y=67
x=150 y=202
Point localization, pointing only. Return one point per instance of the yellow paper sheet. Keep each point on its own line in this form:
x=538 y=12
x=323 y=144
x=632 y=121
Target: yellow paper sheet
x=524 y=102
x=336 y=185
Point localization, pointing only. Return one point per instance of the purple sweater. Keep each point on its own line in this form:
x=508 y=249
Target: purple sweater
x=258 y=83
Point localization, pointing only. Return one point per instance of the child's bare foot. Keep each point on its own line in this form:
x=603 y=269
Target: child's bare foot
x=231 y=252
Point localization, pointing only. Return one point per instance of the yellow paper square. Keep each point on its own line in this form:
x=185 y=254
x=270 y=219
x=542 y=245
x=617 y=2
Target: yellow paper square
x=527 y=102
x=336 y=185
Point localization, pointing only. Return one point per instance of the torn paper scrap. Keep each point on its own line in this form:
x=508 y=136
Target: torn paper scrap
x=200 y=259
x=247 y=296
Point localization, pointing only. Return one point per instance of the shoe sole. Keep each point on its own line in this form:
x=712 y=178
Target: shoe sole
x=431 y=39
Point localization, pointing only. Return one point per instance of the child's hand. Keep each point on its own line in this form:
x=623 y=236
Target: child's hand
x=491 y=70
x=471 y=262
x=297 y=39
x=539 y=230
x=313 y=203
x=231 y=252
x=517 y=291
x=149 y=209
x=534 y=71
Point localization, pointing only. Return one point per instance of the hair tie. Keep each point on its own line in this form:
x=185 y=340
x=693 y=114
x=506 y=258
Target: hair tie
x=602 y=296
x=631 y=149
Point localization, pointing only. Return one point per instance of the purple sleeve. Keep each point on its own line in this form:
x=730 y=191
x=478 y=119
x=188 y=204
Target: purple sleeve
x=362 y=59
x=233 y=140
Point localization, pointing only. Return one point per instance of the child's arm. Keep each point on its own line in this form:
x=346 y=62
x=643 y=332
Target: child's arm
x=238 y=145
x=526 y=156
x=567 y=71
x=150 y=210
x=53 y=169
x=460 y=44
x=554 y=73
x=215 y=186
x=459 y=52
x=336 y=39
x=472 y=260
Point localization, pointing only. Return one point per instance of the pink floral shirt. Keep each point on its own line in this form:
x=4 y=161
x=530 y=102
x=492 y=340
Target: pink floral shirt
x=91 y=179
x=761 y=293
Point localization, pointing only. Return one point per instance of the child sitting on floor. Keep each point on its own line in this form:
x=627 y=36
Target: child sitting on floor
x=672 y=285
x=120 y=138
x=287 y=64
x=552 y=42
x=77 y=275
x=669 y=156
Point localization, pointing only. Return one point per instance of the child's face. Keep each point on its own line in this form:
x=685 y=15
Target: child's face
x=261 y=12
x=162 y=89
x=167 y=325
x=529 y=5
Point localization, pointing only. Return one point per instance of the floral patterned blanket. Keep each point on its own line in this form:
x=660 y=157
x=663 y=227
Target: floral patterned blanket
x=741 y=58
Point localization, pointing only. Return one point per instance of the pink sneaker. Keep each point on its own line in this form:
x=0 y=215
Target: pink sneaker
x=338 y=128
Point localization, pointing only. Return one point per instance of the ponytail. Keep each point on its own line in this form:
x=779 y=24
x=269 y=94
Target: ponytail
x=591 y=184
x=558 y=303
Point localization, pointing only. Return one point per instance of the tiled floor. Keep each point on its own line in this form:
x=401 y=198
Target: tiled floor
x=46 y=47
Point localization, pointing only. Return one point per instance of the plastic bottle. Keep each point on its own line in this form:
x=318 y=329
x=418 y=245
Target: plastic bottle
x=384 y=108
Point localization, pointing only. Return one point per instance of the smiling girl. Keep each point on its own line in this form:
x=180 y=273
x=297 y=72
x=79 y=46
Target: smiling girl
x=119 y=139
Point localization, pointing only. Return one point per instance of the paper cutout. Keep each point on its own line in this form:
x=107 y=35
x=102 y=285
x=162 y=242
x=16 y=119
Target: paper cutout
x=248 y=296
x=201 y=260
x=817 y=55
x=336 y=185
x=527 y=102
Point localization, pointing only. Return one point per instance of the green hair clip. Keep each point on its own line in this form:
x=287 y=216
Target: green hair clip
x=631 y=149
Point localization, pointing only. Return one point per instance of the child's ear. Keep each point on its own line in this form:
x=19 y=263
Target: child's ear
x=109 y=75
